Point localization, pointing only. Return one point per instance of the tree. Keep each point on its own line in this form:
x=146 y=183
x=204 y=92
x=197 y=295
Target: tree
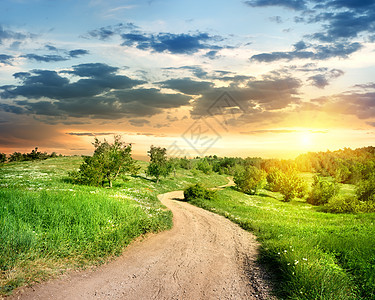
x=287 y=183
x=321 y=191
x=365 y=189
x=16 y=156
x=159 y=164
x=249 y=179
x=107 y=163
x=204 y=166
x=3 y=157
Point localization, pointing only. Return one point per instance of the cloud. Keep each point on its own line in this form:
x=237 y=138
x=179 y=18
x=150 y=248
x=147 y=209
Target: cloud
x=276 y=19
x=272 y=131
x=317 y=52
x=6 y=59
x=98 y=93
x=54 y=57
x=139 y=122
x=104 y=33
x=187 y=86
x=44 y=58
x=182 y=43
x=360 y=104
x=257 y=97
x=197 y=71
x=322 y=80
x=49 y=84
x=78 y=52
x=291 y=4
x=6 y=34
x=90 y=133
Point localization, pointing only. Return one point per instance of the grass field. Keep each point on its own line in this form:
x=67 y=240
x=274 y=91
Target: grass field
x=49 y=225
x=314 y=255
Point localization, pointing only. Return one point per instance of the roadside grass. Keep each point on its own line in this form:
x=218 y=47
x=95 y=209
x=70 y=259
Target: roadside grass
x=314 y=255
x=49 y=225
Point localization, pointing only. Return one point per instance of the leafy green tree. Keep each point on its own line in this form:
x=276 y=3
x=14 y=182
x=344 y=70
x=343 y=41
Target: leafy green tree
x=106 y=164
x=159 y=164
x=204 y=166
x=3 y=157
x=321 y=191
x=249 y=179
x=288 y=183
x=365 y=189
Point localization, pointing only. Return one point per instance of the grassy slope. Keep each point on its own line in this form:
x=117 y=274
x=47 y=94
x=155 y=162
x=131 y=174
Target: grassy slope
x=315 y=255
x=48 y=225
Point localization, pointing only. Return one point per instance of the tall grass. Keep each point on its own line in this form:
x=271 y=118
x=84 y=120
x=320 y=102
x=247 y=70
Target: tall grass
x=314 y=255
x=48 y=225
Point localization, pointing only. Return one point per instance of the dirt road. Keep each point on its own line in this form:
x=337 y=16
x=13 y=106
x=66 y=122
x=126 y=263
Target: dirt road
x=204 y=256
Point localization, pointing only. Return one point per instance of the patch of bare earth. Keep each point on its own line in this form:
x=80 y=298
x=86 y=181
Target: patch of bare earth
x=204 y=256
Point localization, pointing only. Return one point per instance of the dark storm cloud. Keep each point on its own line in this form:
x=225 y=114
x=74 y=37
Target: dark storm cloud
x=317 y=52
x=6 y=59
x=49 y=84
x=182 y=43
x=187 y=86
x=98 y=93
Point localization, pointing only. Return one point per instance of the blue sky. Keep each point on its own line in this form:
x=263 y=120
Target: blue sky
x=299 y=75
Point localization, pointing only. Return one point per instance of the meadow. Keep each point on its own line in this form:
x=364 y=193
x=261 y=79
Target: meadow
x=312 y=254
x=49 y=225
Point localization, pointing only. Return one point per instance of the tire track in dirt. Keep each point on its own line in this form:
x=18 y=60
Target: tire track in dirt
x=204 y=256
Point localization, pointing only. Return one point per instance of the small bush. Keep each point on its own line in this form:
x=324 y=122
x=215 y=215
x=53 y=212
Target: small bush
x=349 y=204
x=198 y=191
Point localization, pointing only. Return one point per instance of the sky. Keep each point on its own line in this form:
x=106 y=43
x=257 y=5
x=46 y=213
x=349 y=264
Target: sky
x=269 y=78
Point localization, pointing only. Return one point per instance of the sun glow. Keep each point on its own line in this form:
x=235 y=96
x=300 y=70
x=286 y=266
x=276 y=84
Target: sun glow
x=306 y=139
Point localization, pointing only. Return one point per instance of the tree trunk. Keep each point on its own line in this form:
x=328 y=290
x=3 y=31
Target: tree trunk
x=110 y=182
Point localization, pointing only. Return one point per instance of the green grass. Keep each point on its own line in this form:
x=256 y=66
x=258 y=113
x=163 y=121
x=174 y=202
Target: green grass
x=49 y=225
x=314 y=255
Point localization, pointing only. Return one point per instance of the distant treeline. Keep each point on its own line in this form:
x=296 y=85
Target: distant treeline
x=346 y=165
x=33 y=155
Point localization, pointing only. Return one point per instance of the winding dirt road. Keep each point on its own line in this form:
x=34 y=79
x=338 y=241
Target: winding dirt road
x=204 y=256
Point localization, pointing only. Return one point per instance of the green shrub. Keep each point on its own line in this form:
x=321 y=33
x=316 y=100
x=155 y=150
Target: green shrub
x=198 y=191
x=349 y=204
x=321 y=191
